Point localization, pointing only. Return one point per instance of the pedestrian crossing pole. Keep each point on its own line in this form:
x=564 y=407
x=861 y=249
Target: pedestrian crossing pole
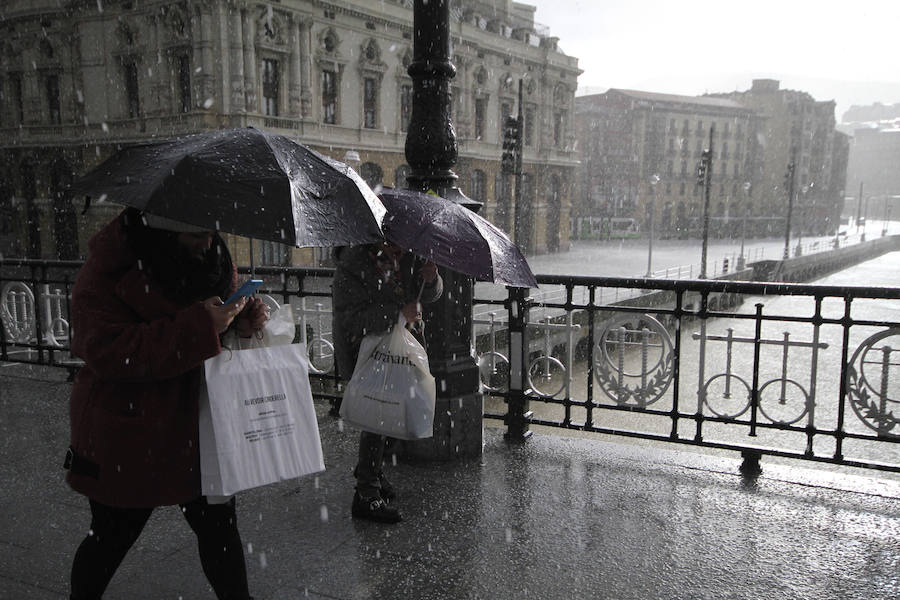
x=789 y=185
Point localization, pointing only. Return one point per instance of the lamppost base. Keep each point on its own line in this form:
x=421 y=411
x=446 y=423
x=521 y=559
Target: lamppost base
x=458 y=430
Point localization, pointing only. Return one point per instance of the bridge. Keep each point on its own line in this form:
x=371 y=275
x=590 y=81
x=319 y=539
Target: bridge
x=677 y=361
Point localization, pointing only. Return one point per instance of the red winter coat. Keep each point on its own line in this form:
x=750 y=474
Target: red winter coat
x=134 y=403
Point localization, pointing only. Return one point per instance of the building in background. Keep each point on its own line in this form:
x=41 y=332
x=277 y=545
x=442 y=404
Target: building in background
x=641 y=149
x=874 y=168
x=797 y=128
x=80 y=79
x=874 y=159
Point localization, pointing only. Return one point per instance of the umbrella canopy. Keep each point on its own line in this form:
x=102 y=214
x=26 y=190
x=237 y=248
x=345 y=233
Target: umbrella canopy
x=243 y=181
x=454 y=237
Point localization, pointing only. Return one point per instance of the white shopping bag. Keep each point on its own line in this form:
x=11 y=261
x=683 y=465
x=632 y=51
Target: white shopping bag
x=391 y=391
x=279 y=330
x=258 y=424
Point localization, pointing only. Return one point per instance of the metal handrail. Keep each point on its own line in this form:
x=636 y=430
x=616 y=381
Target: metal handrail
x=660 y=362
x=858 y=411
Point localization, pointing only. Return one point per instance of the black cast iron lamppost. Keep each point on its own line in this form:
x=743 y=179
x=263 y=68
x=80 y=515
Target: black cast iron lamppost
x=789 y=185
x=801 y=212
x=704 y=178
x=431 y=151
x=653 y=181
x=742 y=260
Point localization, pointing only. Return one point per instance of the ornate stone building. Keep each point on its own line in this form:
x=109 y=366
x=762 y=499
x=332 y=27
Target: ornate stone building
x=80 y=78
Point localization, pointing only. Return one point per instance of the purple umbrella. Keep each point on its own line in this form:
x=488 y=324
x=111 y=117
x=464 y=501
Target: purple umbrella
x=453 y=236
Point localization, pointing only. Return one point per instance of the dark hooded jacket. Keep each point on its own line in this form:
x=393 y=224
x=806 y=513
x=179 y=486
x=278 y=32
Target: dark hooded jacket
x=365 y=302
x=140 y=326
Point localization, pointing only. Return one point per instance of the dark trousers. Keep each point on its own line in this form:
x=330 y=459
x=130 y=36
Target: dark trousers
x=114 y=531
x=369 y=465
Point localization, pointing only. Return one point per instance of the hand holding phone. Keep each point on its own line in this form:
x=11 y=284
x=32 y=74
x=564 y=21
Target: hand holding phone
x=247 y=289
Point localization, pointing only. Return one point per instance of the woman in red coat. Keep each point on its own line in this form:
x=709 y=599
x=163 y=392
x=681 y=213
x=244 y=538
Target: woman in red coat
x=146 y=313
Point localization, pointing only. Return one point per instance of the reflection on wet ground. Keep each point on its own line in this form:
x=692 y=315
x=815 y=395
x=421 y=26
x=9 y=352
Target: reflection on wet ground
x=556 y=517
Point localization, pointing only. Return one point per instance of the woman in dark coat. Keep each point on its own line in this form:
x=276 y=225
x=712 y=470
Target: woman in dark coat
x=146 y=313
x=372 y=285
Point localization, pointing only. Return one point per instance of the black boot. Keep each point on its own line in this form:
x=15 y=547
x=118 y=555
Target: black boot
x=374 y=509
x=388 y=493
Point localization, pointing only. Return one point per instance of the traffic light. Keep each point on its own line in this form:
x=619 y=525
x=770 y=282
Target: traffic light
x=789 y=176
x=703 y=167
x=510 y=145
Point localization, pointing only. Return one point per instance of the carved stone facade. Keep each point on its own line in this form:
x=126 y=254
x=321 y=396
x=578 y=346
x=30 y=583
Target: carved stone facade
x=80 y=80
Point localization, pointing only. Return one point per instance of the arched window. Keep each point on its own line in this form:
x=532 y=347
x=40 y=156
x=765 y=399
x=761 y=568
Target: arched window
x=65 y=226
x=6 y=206
x=400 y=176
x=371 y=174
x=479 y=186
x=526 y=244
x=554 y=207
x=503 y=200
x=32 y=210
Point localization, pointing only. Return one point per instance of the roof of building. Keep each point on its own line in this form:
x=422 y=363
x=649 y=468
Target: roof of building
x=674 y=98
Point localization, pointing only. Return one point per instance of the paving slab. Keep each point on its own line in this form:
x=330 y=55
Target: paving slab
x=555 y=517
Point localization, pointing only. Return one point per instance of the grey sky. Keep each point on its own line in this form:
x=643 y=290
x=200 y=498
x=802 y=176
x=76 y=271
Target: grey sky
x=843 y=51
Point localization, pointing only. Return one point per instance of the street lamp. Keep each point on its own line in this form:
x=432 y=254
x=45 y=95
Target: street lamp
x=789 y=186
x=704 y=177
x=741 y=263
x=653 y=181
x=865 y=219
x=887 y=218
x=802 y=211
x=431 y=152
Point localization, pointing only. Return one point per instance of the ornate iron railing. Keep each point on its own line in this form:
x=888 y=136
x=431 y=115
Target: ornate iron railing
x=801 y=371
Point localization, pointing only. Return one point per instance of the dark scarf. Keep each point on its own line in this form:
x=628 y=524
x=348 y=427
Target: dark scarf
x=184 y=278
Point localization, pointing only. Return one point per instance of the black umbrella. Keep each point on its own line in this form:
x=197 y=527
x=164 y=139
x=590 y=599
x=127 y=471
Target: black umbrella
x=243 y=181
x=454 y=237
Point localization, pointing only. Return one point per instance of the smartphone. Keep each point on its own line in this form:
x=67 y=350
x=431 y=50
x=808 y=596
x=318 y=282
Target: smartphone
x=247 y=289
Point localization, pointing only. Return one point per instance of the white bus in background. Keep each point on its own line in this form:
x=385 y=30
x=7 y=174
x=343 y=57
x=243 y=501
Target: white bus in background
x=605 y=228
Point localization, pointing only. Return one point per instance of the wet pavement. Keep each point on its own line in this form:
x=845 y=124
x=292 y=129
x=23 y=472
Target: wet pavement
x=556 y=517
